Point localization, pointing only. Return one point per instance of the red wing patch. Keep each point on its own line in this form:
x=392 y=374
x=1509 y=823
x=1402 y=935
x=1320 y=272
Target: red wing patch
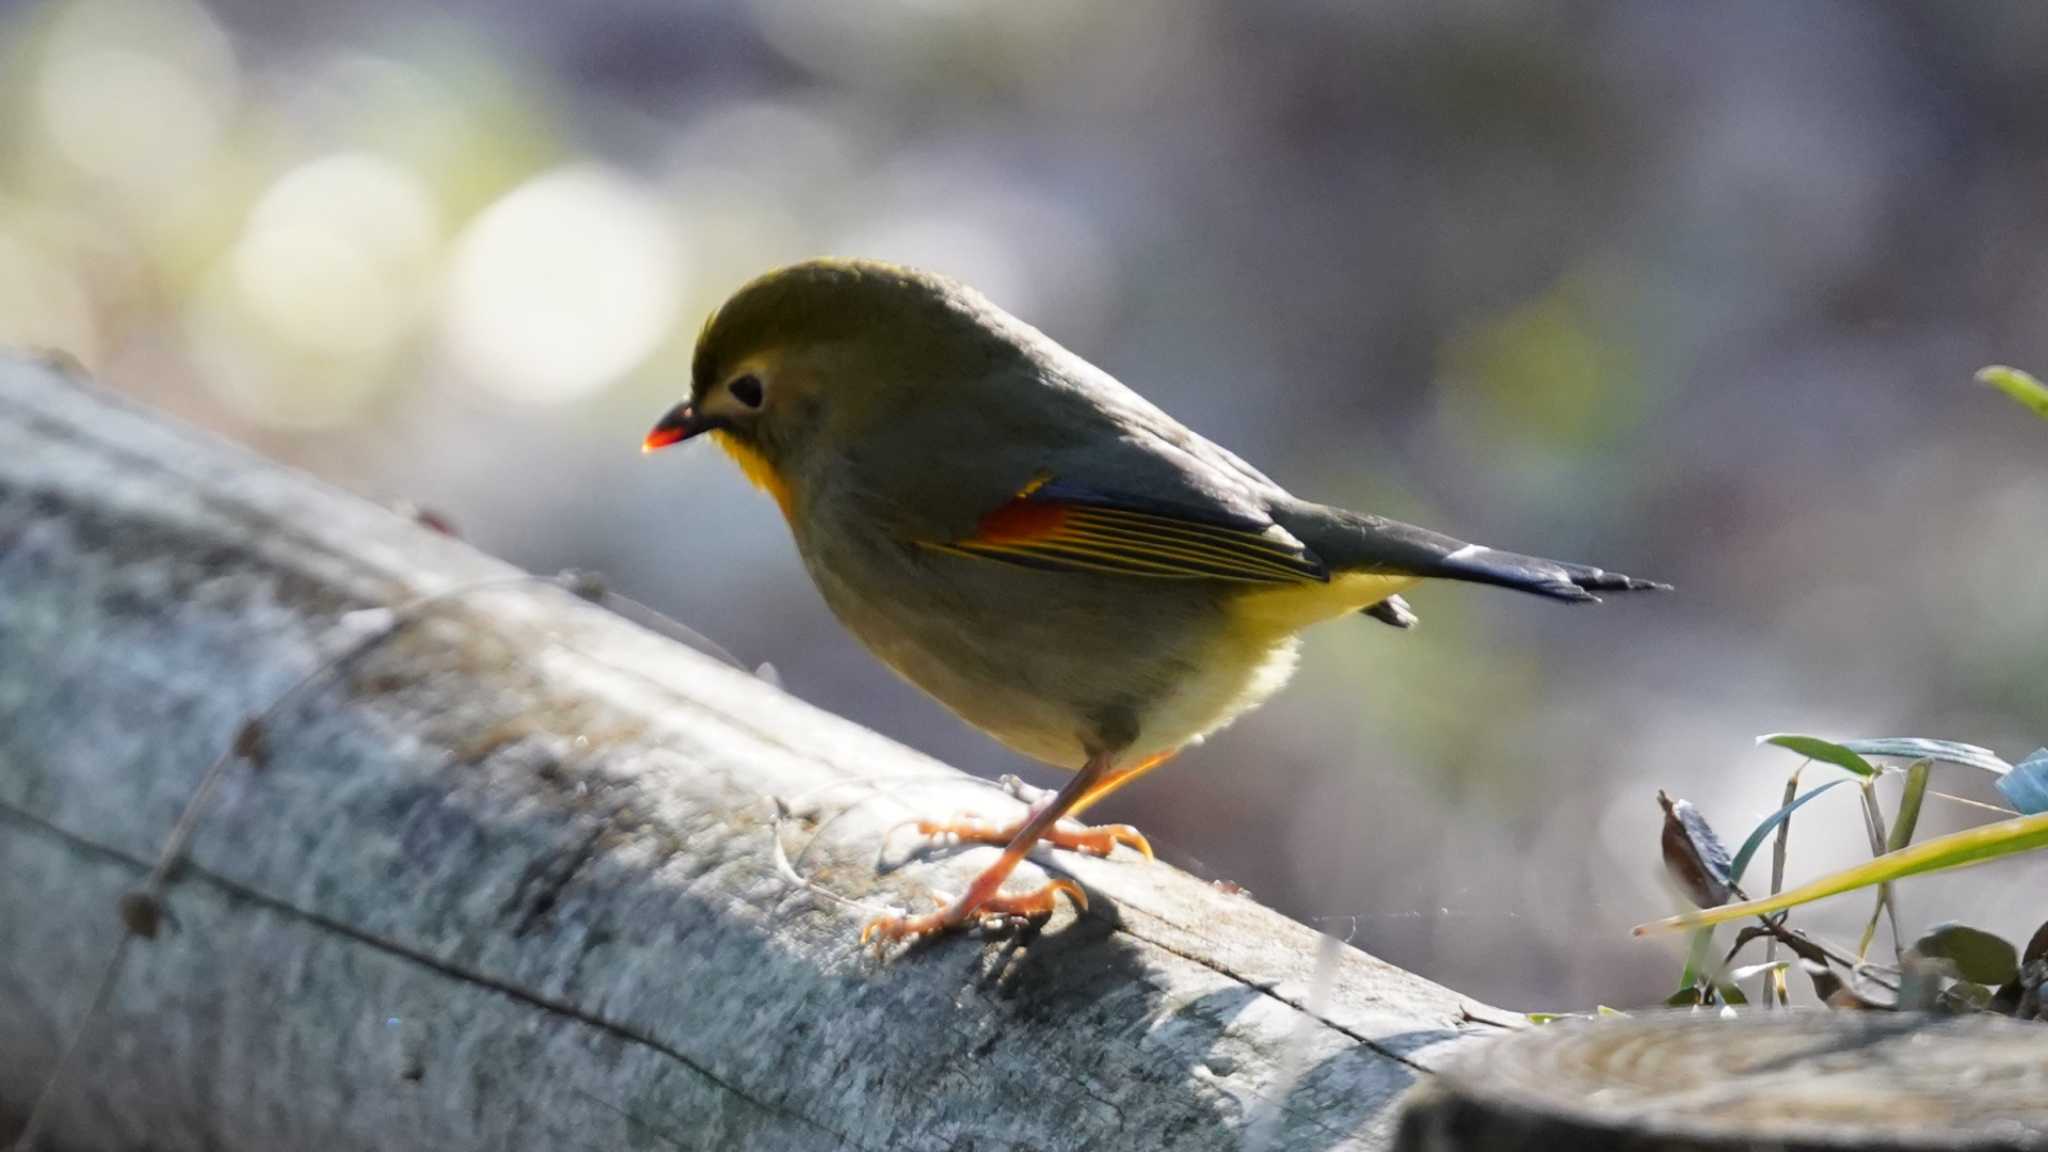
x=1100 y=536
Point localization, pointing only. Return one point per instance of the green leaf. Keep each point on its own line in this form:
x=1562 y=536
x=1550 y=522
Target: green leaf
x=2018 y=385
x=1947 y=751
x=1873 y=822
x=1815 y=748
x=1956 y=850
x=1883 y=843
x=1978 y=955
x=1756 y=835
x=1908 y=816
x=1695 y=964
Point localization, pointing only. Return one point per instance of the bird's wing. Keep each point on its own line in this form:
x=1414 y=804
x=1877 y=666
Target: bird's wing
x=1355 y=542
x=1066 y=525
x=1051 y=463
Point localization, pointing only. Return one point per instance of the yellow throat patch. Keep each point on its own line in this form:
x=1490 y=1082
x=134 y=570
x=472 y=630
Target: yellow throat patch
x=755 y=467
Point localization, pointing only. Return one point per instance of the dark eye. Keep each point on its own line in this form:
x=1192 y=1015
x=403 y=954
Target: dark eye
x=746 y=390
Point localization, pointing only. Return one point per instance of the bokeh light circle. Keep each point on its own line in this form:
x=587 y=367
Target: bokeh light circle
x=562 y=286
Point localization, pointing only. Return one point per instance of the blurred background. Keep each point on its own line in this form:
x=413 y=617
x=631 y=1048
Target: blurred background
x=1691 y=291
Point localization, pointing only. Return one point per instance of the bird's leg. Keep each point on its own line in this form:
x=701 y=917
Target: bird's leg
x=983 y=897
x=1068 y=834
x=1112 y=781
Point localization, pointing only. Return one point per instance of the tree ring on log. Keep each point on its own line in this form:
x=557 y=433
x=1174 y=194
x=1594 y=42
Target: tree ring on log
x=1778 y=1080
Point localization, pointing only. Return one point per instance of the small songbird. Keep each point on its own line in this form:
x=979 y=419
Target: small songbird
x=1060 y=563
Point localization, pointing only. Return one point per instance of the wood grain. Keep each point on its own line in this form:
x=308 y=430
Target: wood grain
x=508 y=880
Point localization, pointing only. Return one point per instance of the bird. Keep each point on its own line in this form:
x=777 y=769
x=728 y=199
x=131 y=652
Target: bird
x=1050 y=556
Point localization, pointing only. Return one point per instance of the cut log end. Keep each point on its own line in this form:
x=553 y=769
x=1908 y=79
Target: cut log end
x=1777 y=1081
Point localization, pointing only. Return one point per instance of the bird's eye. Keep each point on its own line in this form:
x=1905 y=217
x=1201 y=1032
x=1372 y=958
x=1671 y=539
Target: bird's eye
x=746 y=389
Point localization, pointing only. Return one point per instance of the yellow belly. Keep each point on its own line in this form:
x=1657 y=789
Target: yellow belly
x=1273 y=613
x=1254 y=658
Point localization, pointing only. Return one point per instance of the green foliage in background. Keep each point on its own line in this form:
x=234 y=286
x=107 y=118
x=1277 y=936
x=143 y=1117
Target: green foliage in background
x=2018 y=385
x=1951 y=966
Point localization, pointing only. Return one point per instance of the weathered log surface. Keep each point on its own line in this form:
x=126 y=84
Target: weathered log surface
x=506 y=881
x=1777 y=1081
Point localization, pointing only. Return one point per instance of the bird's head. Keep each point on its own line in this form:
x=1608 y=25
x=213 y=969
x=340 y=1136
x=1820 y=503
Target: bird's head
x=808 y=358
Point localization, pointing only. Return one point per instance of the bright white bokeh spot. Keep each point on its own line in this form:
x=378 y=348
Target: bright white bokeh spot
x=563 y=286
x=337 y=255
x=332 y=273
x=135 y=92
x=122 y=116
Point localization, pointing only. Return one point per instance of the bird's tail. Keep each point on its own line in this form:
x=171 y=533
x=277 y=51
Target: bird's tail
x=1353 y=542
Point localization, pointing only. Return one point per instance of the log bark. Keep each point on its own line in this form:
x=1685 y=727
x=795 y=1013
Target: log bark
x=509 y=876
x=1804 y=1081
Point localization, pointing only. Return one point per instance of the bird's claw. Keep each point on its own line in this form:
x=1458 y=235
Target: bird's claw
x=1028 y=907
x=1097 y=840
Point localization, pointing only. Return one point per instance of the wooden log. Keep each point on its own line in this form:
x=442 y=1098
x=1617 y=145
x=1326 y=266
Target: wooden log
x=1764 y=1082
x=507 y=876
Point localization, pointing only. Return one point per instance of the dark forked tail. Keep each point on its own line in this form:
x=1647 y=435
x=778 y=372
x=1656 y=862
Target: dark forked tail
x=1552 y=578
x=1354 y=542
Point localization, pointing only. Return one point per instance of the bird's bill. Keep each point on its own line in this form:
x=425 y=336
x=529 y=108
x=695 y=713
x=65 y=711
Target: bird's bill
x=682 y=422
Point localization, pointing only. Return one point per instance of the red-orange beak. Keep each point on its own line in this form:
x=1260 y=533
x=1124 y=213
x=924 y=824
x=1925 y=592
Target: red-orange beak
x=682 y=422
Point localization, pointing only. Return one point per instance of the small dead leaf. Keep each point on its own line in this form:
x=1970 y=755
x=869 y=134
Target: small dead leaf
x=1693 y=854
x=2037 y=946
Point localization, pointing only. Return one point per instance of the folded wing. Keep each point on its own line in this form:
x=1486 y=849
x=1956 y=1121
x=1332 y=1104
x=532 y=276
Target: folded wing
x=1060 y=526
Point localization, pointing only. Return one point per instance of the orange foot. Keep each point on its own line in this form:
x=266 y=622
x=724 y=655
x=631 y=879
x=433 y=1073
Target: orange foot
x=973 y=909
x=1099 y=840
